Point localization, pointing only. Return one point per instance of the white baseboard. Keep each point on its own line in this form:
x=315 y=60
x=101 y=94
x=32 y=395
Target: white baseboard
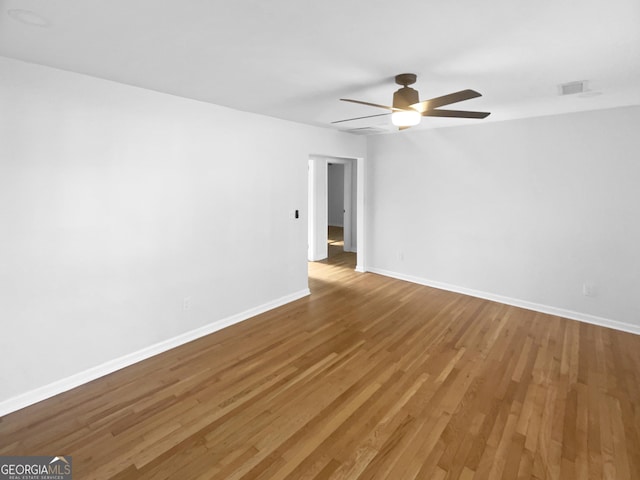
x=537 y=307
x=42 y=393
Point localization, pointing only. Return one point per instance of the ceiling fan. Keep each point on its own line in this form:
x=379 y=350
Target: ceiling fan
x=407 y=109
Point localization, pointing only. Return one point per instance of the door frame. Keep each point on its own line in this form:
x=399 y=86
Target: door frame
x=318 y=207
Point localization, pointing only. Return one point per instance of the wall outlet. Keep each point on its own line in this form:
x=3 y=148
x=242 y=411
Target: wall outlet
x=588 y=289
x=186 y=304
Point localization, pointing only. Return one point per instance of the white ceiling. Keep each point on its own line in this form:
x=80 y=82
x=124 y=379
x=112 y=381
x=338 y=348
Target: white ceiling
x=293 y=59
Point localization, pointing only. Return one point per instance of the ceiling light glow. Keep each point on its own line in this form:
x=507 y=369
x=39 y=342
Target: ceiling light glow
x=406 y=118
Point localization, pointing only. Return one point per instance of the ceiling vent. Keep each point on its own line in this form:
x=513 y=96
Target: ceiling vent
x=367 y=130
x=572 y=88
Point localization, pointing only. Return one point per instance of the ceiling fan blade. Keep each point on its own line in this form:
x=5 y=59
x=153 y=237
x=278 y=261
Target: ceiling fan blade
x=371 y=104
x=360 y=118
x=403 y=128
x=445 y=100
x=455 y=113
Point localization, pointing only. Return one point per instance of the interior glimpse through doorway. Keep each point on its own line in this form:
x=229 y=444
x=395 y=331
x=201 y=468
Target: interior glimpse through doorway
x=335 y=240
x=338 y=257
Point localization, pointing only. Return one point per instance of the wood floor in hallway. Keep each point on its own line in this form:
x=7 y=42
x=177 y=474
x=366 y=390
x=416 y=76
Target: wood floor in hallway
x=367 y=378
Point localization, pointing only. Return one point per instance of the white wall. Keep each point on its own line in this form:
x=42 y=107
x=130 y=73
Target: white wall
x=335 y=178
x=528 y=210
x=116 y=203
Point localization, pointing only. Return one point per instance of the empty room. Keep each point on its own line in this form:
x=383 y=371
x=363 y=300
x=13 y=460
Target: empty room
x=319 y=240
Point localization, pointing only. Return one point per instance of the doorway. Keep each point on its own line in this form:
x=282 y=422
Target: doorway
x=348 y=180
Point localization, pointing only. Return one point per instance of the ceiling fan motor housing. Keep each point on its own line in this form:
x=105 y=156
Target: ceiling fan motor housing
x=405 y=97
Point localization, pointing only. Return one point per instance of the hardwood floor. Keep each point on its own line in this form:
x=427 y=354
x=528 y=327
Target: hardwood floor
x=335 y=248
x=335 y=237
x=369 y=377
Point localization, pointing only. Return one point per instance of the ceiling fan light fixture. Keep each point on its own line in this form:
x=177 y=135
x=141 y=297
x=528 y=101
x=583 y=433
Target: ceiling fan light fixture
x=406 y=118
x=407 y=110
